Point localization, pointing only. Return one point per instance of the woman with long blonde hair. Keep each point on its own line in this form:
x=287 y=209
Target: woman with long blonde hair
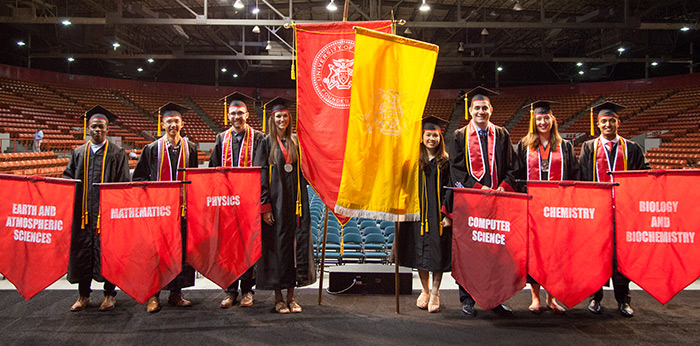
x=543 y=155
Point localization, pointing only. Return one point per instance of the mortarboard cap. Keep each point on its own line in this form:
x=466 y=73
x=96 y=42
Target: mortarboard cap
x=277 y=104
x=172 y=109
x=99 y=112
x=539 y=107
x=433 y=123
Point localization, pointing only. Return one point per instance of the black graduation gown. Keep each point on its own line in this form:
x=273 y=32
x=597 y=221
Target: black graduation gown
x=147 y=170
x=635 y=159
x=571 y=167
x=85 y=243
x=429 y=251
x=215 y=159
x=287 y=250
x=458 y=168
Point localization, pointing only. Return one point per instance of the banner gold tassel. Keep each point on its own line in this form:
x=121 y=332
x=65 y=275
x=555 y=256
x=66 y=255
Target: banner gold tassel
x=294 y=49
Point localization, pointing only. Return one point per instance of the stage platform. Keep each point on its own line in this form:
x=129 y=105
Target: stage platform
x=342 y=319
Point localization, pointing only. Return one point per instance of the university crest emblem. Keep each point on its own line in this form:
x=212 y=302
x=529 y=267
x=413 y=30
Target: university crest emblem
x=331 y=73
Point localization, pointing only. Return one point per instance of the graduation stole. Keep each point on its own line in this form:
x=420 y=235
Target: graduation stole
x=602 y=159
x=86 y=165
x=245 y=155
x=555 y=169
x=474 y=160
x=164 y=164
x=425 y=225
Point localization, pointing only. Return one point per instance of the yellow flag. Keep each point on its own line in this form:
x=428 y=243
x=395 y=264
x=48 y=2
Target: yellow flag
x=391 y=80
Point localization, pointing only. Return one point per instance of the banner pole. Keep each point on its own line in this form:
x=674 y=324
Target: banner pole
x=323 y=257
x=395 y=249
x=345 y=10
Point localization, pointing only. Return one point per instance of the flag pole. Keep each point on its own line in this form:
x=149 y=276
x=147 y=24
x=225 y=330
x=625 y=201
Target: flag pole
x=345 y=10
x=395 y=250
x=323 y=257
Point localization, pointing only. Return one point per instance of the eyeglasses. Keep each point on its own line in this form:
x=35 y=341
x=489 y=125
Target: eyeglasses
x=240 y=114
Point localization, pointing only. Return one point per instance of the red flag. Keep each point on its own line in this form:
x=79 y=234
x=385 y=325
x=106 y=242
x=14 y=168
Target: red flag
x=325 y=55
x=488 y=244
x=140 y=236
x=570 y=237
x=37 y=216
x=223 y=222
x=656 y=218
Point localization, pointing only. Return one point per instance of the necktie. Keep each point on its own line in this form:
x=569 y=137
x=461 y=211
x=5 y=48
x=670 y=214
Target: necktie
x=609 y=146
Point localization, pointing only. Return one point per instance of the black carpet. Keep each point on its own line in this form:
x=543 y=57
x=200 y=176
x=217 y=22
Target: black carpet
x=343 y=319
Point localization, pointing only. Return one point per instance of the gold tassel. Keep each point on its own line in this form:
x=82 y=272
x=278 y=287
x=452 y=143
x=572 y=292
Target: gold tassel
x=264 y=117
x=99 y=217
x=85 y=126
x=592 y=129
x=531 y=118
x=466 y=107
x=298 y=186
x=159 y=122
x=225 y=111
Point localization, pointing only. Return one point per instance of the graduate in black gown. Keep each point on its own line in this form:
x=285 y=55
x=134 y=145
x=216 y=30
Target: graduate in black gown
x=237 y=147
x=160 y=161
x=610 y=152
x=97 y=161
x=426 y=245
x=287 y=251
x=481 y=157
x=543 y=155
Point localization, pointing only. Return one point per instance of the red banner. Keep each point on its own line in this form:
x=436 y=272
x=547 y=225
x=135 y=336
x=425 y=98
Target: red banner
x=570 y=237
x=140 y=236
x=223 y=222
x=656 y=217
x=488 y=244
x=325 y=56
x=37 y=216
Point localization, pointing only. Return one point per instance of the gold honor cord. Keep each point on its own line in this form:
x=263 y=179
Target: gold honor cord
x=424 y=228
x=86 y=164
x=439 y=201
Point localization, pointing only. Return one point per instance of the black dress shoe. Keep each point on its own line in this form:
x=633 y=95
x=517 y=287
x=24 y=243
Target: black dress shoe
x=468 y=309
x=626 y=310
x=503 y=310
x=594 y=307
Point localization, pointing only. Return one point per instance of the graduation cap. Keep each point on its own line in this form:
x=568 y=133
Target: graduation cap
x=433 y=123
x=277 y=104
x=477 y=94
x=170 y=109
x=97 y=112
x=605 y=109
x=539 y=107
x=234 y=99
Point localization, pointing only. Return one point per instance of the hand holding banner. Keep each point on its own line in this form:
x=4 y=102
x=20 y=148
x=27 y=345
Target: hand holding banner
x=37 y=216
x=656 y=216
x=140 y=236
x=223 y=222
x=570 y=237
x=489 y=244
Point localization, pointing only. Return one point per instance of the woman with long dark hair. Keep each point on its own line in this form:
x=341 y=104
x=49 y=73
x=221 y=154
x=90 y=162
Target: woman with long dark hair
x=287 y=252
x=427 y=245
x=544 y=155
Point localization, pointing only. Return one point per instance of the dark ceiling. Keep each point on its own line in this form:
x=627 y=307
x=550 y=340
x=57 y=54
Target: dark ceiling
x=533 y=41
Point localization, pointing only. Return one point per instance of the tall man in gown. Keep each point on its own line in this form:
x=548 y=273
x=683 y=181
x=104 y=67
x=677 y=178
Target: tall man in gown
x=236 y=147
x=610 y=152
x=160 y=161
x=488 y=168
x=97 y=161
